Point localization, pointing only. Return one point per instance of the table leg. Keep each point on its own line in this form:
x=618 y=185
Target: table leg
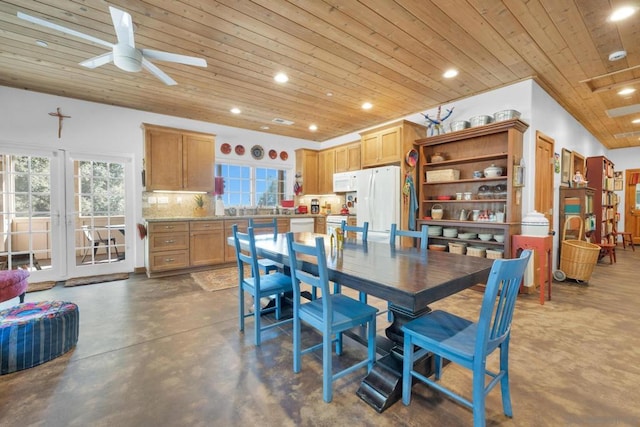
x=382 y=387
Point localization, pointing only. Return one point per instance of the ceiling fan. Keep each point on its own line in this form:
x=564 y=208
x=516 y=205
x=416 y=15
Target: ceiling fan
x=124 y=53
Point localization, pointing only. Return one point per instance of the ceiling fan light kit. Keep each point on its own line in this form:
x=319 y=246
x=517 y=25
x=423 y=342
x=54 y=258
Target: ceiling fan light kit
x=123 y=54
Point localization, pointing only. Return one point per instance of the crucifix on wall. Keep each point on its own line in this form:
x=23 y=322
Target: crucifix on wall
x=60 y=117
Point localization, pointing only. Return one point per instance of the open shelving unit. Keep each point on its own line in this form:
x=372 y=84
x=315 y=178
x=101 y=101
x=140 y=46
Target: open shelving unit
x=470 y=150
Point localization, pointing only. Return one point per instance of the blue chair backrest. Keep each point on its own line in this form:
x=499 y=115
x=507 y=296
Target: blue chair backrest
x=423 y=235
x=261 y=225
x=499 y=302
x=354 y=229
x=246 y=242
x=297 y=254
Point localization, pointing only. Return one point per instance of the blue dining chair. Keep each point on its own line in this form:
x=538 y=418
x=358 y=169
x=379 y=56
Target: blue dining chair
x=467 y=343
x=423 y=235
x=258 y=286
x=364 y=233
x=331 y=314
x=266 y=265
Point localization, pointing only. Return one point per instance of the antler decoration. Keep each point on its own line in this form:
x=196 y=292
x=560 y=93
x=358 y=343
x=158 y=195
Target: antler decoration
x=435 y=125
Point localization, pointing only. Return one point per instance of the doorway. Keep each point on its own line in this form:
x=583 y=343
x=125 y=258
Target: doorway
x=51 y=201
x=632 y=204
x=543 y=202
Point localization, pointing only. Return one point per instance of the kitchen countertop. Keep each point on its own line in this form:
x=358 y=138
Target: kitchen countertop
x=220 y=218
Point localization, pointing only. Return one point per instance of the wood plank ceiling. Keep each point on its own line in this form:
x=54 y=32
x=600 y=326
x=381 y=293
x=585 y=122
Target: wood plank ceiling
x=338 y=54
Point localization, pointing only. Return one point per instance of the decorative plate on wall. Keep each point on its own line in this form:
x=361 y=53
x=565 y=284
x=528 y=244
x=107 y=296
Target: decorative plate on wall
x=284 y=155
x=273 y=154
x=239 y=150
x=225 y=148
x=257 y=152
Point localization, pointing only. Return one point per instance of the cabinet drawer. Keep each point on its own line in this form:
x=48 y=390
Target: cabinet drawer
x=168 y=241
x=168 y=260
x=206 y=225
x=164 y=227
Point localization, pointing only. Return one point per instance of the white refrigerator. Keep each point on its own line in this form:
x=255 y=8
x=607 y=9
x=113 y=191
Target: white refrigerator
x=378 y=200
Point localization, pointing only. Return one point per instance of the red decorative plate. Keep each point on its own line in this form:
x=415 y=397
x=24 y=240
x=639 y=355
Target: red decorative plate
x=239 y=150
x=273 y=154
x=284 y=155
x=225 y=148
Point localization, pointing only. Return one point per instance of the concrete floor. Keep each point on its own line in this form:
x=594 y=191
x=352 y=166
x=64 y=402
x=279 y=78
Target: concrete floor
x=164 y=352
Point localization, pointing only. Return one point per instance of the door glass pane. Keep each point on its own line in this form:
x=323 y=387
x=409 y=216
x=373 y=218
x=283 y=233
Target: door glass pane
x=26 y=212
x=100 y=203
x=637 y=196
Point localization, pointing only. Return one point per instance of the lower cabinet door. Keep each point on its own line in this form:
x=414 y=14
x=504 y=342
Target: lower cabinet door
x=207 y=247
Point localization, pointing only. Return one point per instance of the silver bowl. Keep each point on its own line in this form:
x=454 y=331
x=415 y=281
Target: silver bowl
x=503 y=115
x=479 y=121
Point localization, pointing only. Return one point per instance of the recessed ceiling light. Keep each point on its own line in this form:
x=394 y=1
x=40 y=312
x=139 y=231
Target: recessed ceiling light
x=450 y=73
x=617 y=55
x=367 y=106
x=622 y=13
x=313 y=128
x=626 y=91
x=264 y=127
x=236 y=110
x=329 y=93
x=636 y=121
x=281 y=78
x=42 y=43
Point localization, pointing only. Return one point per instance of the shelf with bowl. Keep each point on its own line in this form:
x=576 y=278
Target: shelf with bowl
x=475 y=149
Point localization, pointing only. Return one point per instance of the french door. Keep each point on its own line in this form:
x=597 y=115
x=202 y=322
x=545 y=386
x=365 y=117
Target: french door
x=63 y=214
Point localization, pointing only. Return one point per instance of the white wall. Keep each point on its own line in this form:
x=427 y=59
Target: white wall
x=104 y=129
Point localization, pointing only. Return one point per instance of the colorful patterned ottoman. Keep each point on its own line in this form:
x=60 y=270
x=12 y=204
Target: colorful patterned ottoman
x=36 y=332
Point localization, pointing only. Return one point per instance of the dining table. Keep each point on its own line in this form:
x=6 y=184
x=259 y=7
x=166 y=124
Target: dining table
x=408 y=278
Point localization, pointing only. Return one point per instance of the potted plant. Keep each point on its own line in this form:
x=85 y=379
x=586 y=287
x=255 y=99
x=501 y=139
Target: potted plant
x=199 y=209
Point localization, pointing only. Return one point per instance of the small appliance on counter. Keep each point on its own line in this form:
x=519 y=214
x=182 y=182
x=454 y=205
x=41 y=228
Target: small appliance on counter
x=315 y=206
x=302 y=209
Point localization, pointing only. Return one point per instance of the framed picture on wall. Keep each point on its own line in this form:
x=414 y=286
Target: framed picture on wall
x=565 y=168
x=617 y=181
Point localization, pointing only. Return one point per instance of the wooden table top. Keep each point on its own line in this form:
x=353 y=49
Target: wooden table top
x=407 y=277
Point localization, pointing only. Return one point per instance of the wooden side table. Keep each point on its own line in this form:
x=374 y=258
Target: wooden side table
x=543 y=248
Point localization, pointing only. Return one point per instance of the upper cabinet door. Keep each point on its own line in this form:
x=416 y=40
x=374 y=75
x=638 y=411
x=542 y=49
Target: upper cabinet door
x=163 y=160
x=198 y=155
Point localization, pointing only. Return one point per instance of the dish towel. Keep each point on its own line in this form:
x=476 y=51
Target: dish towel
x=413 y=202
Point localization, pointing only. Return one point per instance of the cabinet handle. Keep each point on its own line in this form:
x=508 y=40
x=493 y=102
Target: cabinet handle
x=169 y=241
x=168 y=227
x=169 y=260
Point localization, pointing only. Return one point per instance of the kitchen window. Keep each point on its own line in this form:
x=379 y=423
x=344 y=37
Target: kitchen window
x=251 y=186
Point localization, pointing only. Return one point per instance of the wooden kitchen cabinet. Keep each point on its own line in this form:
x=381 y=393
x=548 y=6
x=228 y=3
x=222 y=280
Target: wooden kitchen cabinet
x=320 y=225
x=388 y=144
x=326 y=168
x=307 y=169
x=347 y=157
x=230 y=251
x=206 y=243
x=178 y=160
x=167 y=247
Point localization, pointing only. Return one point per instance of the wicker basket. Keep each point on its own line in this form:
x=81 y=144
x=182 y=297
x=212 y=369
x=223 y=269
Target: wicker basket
x=578 y=258
x=476 y=251
x=437 y=211
x=443 y=175
x=457 y=248
x=494 y=254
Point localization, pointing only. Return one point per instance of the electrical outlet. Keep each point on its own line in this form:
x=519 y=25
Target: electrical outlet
x=163 y=200
x=179 y=200
x=152 y=200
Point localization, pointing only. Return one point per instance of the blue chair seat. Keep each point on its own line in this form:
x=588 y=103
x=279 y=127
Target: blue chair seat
x=347 y=312
x=269 y=284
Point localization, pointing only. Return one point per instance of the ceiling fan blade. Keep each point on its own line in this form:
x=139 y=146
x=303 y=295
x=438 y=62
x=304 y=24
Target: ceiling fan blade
x=97 y=61
x=65 y=30
x=158 y=73
x=173 y=57
x=124 y=26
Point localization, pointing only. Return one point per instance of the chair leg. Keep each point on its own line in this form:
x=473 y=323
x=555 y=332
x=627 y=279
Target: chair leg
x=363 y=297
x=297 y=346
x=22 y=297
x=371 y=342
x=478 y=396
x=241 y=307
x=327 y=368
x=256 y=316
x=407 y=379
x=504 y=382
